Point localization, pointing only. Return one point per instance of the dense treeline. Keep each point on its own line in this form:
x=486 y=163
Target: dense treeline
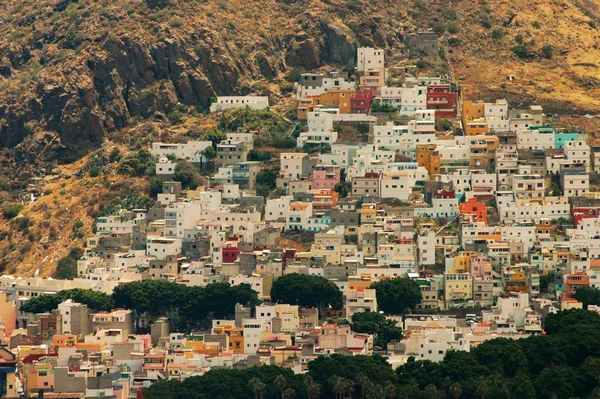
x=187 y=307
x=563 y=364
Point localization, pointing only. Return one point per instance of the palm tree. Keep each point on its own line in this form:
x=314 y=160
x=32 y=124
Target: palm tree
x=258 y=387
x=483 y=389
x=336 y=386
x=455 y=390
x=389 y=391
x=432 y=391
x=313 y=390
x=347 y=387
x=362 y=380
x=288 y=393
x=373 y=391
x=280 y=384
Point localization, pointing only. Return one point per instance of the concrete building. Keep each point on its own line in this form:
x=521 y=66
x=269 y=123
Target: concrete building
x=230 y=102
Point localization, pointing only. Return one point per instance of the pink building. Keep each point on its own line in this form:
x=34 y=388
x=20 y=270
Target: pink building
x=481 y=267
x=325 y=177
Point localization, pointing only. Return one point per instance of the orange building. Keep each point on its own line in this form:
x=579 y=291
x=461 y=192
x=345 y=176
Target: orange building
x=307 y=104
x=472 y=110
x=574 y=281
x=474 y=207
x=235 y=334
x=429 y=157
x=336 y=98
x=325 y=199
x=516 y=281
x=356 y=282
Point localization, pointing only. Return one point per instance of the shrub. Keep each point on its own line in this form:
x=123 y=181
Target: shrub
x=421 y=64
x=536 y=25
x=454 y=42
x=521 y=52
x=12 y=210
x=497 y=34
x=284 y=142
x=176 y=22
x=519 y=39
x=439 y=28
x=452 y=28
x=547 y=51
x=485 y=22
x=294 y=75
x=450 y=14
x=94 y=171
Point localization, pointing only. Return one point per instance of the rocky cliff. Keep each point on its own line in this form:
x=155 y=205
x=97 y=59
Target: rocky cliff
x=71 y=71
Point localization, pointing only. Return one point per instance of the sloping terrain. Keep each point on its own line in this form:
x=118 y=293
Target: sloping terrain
x=77 y=77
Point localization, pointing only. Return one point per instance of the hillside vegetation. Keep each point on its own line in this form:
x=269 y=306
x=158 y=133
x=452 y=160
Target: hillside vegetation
x=78 y=78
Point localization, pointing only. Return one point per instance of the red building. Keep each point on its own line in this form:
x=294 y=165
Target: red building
x=361 y=102
x=574 y=281
x=444 y=194
x=442 y=100
x=474 y=207
x=578 y=214
x=230 y=250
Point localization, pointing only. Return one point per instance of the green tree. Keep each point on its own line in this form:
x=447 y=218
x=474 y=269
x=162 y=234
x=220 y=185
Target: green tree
x=547 y=51
x=306 y=290
x=215 y=136
x=11 y=210
x=341 y=189
x=374 y=323
x=588 y=296
x=569 y=320
x=188 y=175
x=521 y=51
x=267 y=179
x=443 y=125
x=396 y=295
x=66 y=269
x=139 y=163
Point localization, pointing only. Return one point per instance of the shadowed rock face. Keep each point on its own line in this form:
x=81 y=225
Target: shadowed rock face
x=128 y=78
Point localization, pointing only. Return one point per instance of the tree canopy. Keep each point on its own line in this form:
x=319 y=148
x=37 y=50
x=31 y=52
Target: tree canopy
x=396 y=295
x=374 y=323
x=588 y=296
x=95 y=300
x=306 y=290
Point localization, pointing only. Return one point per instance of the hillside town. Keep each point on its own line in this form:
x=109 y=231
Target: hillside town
x=491 y=213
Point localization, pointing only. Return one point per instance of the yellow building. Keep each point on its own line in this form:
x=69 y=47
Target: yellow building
x=476 y=127
x=458 y=286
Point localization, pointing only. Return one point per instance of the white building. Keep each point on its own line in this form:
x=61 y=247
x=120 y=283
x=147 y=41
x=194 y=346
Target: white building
x=181 y=216
x=360 y=300
x=191 y=151
x=435 y=341
x=230 y=102
x=277 y=208
x=253 y=331
x=369 y=58
x=496 y=116
x=162 y=247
